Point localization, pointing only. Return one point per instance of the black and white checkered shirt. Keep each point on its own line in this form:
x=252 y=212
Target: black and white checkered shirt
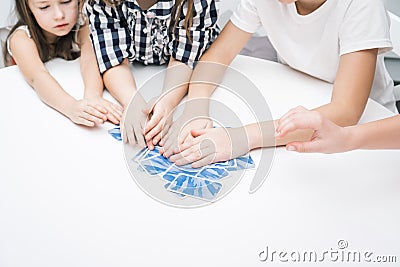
x=127 y=31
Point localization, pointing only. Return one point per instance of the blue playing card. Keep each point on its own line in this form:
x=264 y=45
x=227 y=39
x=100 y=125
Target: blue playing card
x=175 y=193
x=213 y=173
x=116 y=133
x=245 y=162
x=138 y=157
x=204 y=183
x=152 y=153
x=195 y=187
x=155 y=165
x=229 y=165
x=174 y=171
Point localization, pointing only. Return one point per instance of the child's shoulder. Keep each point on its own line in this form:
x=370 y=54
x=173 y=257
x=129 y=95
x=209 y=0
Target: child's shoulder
x=21 y=32
x=20 y=36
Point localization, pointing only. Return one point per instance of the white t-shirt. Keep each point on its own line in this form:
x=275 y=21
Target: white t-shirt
x=314 y=43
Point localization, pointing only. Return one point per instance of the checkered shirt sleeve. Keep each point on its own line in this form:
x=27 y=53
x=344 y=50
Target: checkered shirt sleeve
x=110 y=37
x=202 y=33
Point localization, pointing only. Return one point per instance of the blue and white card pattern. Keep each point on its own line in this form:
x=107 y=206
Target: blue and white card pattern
x=195 y=187
x=116 y=133
x=184 y=181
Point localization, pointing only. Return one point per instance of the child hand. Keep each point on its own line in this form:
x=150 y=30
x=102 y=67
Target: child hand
x=114 y=112
x=327 y=138
x=160 y=117
x=86 y=112
x=212 y=145
x=132 y=128
x=179 y=132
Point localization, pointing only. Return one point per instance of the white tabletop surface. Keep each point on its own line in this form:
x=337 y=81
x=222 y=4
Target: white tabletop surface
x=67 y=199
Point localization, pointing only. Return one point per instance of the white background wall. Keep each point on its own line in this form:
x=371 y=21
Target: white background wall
x=6 y=6
x=393 y=61
x=6 y=19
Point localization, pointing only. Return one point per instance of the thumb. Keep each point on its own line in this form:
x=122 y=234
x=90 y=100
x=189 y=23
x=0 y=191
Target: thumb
x=197 y=133
x=303 y=147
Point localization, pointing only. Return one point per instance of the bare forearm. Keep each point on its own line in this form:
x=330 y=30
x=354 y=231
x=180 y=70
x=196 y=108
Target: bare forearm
x=382 y=134
x=90 y=72
x=352 y=87
x=176 y=82
x=120 y=83
x=212 y=66
x=92 y=79
x=341 y=114
x=51 y=93
x=205 y=80
x=263 y=135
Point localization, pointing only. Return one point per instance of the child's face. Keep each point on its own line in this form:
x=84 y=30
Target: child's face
x=56 y=17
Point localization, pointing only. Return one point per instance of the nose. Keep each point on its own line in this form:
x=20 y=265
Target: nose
x=58 y=12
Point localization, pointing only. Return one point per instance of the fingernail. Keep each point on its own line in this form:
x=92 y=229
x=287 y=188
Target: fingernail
x=291 y=148
x=277 y=134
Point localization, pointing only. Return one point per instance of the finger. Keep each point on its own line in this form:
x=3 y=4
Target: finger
x=197 y=133
x=290 y=112
x=289 y=123
x=94 y=112
x=204 y=161
x=83 y=121
x=123 y=132
x=113 y=114
x=118 y=108
x=139 y=136
x=153 y=127
x=192 y=142
x=96 y=106
x=304 y=147
x=188 y=156
x=150 y=145
x=183 y=136
x=99 y=108
x=189 y=147
x=171 y=144
x=111 y=117
x=131 y=136
x=116 y=112
x=157 y=139
x=169 y=151
x=166 y=141
x=204 y=156
x=304 y=120
x=165 y=133
x=92 y=118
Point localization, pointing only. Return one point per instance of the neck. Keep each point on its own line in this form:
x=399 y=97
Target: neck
x=50 y=38
x=146 y=4
x=305 y=7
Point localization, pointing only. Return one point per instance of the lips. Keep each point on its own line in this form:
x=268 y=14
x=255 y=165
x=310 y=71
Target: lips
x=60 y=26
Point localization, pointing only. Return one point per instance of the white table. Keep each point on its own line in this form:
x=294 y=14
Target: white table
x=67 y=199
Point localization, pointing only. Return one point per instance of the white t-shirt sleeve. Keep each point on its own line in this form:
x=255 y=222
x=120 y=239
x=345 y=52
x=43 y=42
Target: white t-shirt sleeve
x=365 y=26
x=246 y=17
